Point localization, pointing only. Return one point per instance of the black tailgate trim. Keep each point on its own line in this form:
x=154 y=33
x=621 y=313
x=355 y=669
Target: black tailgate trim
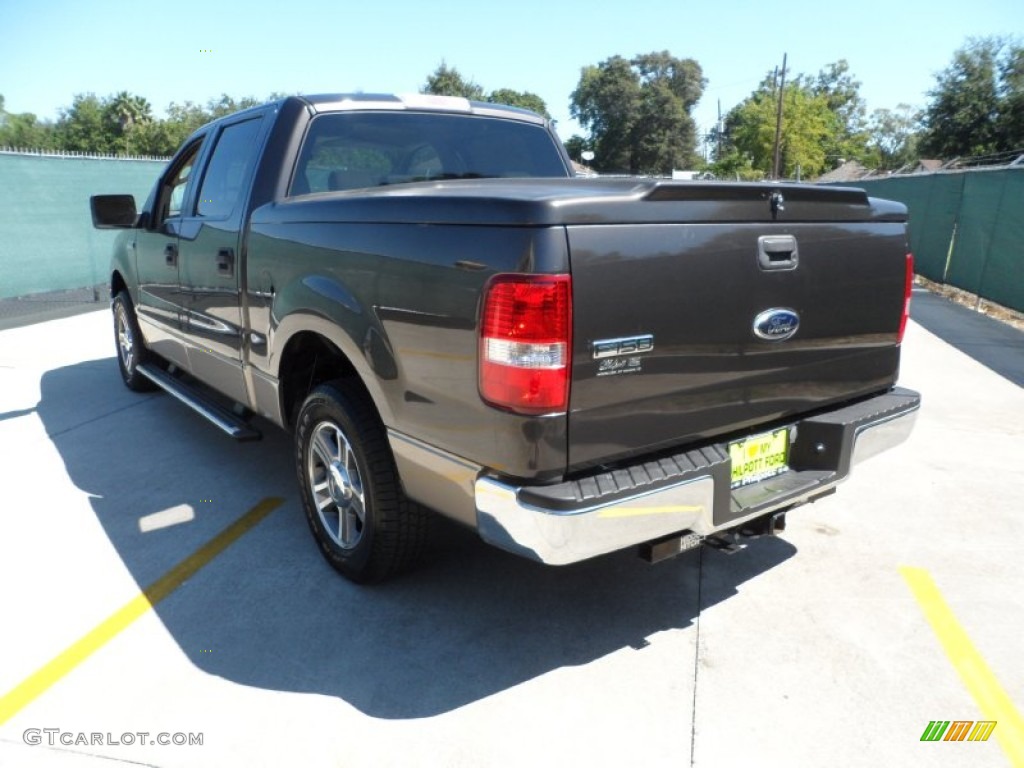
x=609 y=486
x=809 y=467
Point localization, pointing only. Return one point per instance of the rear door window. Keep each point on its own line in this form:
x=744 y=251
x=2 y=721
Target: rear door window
x=228 y=170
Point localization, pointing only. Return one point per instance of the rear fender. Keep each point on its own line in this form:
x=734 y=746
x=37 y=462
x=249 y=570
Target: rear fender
x=323 y=305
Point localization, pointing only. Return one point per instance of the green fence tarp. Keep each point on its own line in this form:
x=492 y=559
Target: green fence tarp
x=966 y=228
x=1002 y=277
x=47 y=241
x=979 y=217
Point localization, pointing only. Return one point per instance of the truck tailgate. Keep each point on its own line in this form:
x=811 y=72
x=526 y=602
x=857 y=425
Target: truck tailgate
x=692 y=330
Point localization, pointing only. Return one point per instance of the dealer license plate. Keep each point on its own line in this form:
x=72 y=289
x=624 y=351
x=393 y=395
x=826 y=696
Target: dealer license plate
x=759 y=457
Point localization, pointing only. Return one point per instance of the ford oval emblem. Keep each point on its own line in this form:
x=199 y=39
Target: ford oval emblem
x=776 y=324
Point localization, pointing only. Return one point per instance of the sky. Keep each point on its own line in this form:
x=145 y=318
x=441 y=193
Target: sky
x=180 y=51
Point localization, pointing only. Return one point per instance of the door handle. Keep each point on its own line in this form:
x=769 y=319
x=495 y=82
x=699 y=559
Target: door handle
x=171 y=255
x=226 y=262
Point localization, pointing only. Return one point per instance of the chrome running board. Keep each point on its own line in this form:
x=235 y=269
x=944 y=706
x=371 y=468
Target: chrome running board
x=230 y=423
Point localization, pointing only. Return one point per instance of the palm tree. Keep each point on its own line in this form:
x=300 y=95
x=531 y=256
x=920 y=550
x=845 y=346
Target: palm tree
x=130 y=110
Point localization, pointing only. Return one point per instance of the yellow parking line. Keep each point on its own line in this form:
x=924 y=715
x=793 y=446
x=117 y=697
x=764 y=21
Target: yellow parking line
x=672 y=509
x=33 y=686
x=992 y=700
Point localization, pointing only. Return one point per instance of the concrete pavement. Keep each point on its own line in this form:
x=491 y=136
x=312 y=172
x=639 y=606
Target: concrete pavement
x=809 y=649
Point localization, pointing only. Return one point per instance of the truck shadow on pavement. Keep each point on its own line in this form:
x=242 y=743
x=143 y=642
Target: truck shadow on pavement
x=998 y=346
x=269 y=612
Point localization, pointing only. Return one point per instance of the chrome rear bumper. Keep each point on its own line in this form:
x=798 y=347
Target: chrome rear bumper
x=690 y=491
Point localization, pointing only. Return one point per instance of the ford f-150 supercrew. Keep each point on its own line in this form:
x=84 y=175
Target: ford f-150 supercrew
x=420 y=291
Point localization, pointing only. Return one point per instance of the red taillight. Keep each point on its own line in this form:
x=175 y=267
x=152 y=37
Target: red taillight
x=908 y=288
x=526 y=342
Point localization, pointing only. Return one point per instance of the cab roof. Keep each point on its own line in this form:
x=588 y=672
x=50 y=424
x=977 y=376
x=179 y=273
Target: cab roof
x=416 y=101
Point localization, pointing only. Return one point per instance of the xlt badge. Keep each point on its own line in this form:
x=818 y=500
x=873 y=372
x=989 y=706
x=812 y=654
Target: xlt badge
x=629 y=345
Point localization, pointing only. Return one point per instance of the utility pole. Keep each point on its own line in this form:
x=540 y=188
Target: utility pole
x=718 y=154
x=778 y=123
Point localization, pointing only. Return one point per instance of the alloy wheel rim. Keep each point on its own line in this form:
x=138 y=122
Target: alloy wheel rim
x=125 y=341
x=336 y=485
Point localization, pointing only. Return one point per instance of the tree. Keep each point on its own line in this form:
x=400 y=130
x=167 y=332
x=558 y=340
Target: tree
x=665 y=135
x=894 y=135
x=576 y=145
x=524 y=99
x=447 y=81
x=1011 y=109
x=24 y=130
x=122 y=122
x=842 y=95
x=226 y=105
x=975 y=106
x=163 y=137
x=85 y=126
x=159 y=138
x=606 y=102
x=92 y=124
x=637 y=112
x=809 y=126
x=822 y=123
x=128 y=112
x=683 y=77
x=182 y=120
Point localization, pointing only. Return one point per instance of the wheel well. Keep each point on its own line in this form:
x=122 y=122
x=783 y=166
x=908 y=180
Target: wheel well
x=117 y=284
x=309 y=360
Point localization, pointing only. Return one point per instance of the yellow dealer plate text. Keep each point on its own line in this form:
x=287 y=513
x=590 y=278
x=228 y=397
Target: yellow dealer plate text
x=759 y=457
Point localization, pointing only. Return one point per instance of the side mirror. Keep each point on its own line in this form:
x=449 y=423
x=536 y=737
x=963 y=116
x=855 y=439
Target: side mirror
x=113 y=211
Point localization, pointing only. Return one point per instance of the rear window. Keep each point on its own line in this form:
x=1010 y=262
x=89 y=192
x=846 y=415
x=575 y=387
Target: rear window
x=368 y=149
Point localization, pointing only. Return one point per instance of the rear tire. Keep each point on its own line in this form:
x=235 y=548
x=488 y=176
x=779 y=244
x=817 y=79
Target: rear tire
x=131 y=351
x=364 y=525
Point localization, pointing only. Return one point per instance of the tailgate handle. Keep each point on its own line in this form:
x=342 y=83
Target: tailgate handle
x=777 y=252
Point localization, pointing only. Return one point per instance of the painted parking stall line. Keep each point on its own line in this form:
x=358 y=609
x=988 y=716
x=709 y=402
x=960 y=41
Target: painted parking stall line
x=992 y=699
x=33 y=686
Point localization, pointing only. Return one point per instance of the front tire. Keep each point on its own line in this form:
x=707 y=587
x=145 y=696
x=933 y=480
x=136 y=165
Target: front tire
x=364 y=525
x=131 y=351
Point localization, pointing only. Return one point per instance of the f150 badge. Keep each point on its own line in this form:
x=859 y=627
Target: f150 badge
x=616 y=356
x=776 y=324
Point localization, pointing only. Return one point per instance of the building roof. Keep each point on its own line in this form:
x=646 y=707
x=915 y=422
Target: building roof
x=851 y=170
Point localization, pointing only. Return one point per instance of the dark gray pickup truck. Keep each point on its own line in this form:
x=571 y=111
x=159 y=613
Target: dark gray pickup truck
x=446 y=320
